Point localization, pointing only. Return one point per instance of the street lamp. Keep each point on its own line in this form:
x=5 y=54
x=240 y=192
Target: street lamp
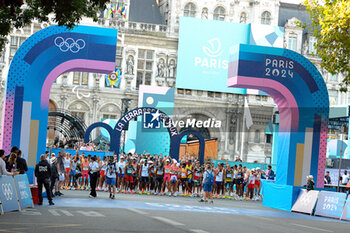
x=125 y=109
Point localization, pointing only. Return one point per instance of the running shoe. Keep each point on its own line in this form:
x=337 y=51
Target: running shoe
x=201 y=200
x=132 y=192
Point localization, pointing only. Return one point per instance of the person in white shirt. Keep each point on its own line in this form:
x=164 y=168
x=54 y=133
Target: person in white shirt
x=344 y=178
x=3 y=171
x=121 y=167
x=93 y=170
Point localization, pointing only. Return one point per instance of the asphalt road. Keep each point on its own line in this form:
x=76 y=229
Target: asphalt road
x=75 y=212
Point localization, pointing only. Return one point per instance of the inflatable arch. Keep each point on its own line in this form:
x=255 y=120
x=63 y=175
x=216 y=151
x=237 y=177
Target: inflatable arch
x=38 y=62
x=175 y=137
x=302 y=99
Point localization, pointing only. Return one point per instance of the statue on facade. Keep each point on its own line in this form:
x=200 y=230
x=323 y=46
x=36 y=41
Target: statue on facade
x=161 y=68
x=171 y=69
x=205 y=13
x=130 y=65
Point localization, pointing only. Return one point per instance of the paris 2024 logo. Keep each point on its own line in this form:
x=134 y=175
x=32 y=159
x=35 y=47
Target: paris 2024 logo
x=212 y=51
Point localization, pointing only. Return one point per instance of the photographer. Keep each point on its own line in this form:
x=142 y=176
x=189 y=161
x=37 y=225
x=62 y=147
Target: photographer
x=111 y=175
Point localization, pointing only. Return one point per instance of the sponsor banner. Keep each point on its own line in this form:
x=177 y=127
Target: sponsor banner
x=203 y=62
x=306 y=201
x=346 y=211
x=330 y=204
x=8 y=195
x=23 y=191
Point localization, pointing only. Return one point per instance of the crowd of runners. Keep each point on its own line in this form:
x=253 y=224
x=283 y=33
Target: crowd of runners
x=155 y=175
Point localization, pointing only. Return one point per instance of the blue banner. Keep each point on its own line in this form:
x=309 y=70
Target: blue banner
x=23 y=191
x=8 y=195
x=330 y=204
x=346 y=211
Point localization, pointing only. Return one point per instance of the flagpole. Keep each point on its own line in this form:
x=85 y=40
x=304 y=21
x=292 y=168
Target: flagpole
x=243 y=134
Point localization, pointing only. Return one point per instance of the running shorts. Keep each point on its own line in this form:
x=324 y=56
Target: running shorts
x=129 y=178
x=110 y=181
x=167 y=177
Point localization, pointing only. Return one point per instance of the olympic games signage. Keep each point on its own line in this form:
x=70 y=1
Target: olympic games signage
x=203 y=63
x=23 y=190
x=306 y=201
x=8 y=194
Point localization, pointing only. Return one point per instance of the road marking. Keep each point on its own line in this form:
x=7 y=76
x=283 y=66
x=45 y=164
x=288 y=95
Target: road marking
x=138 y=211
x=90 y=213
x=314 y=228
x=169 y=221
x=32 y=212
x=55 y=212
x=199 y=231
x=62 y=226
x=262 y=218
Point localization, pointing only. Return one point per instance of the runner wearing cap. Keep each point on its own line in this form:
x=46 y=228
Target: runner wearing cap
x=251 y=184
x=258 y=183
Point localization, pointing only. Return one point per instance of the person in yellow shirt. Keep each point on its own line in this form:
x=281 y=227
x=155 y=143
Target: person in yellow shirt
x=189 y=171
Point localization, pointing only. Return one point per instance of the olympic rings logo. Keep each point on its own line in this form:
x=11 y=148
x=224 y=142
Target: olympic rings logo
x=69 y=44
x=7 y=191
x=305 y=199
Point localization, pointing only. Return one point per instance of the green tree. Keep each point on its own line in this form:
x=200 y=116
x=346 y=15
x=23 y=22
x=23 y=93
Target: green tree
x=19 y=13
x=330 y=23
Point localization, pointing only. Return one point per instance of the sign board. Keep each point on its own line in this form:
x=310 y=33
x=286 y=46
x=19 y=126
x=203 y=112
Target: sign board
x=330 y=204
x=23 y=191
x=306 y=201
x=346 y=211
x=203 y=62
x=8 y=194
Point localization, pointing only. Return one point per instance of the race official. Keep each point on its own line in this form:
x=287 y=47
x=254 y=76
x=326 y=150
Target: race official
x=43 y=174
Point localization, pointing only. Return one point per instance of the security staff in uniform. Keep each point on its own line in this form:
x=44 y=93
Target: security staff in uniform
x=43 y=174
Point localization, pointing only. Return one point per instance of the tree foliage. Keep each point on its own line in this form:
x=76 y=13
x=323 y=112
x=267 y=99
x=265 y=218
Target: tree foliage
x=19 y=13
x=331 y=27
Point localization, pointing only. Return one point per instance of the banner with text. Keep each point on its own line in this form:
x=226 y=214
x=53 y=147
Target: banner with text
x=23 y=191
x=203 y=61
x=8 y=194
x=330 y=204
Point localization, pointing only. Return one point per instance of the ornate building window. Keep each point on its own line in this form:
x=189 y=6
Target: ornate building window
x=266 y=18
x=119 y=58
x=15 y=43
x=144 y=67
x=219 y=13
x=292 y=42
x=243 y=18
x=257 y=136
x=81 y=78
x=190 y=10
x=312 y=45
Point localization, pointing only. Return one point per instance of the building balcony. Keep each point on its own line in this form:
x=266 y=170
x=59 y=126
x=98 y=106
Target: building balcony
x=135 y=27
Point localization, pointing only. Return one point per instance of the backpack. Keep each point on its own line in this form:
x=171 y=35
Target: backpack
x=210 y=178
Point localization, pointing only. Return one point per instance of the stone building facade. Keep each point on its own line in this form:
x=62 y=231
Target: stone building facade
x=147 y=55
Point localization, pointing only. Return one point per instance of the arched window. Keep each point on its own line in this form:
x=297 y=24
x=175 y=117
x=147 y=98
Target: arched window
x=266 y=18
x=219 y=13
x=190 y=10
x=243 y=18
x=257 y=136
